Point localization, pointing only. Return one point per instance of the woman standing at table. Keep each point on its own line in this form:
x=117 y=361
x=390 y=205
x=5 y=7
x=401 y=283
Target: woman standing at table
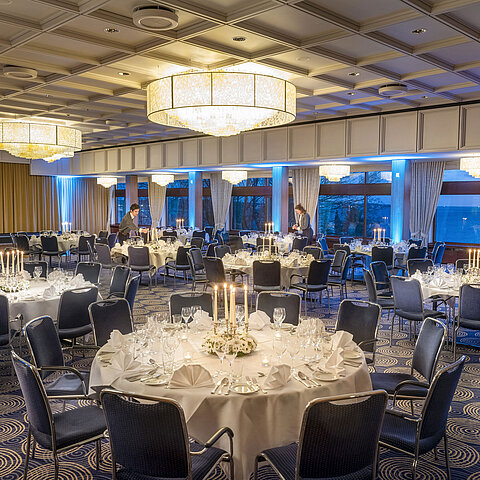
x=303 y=226
x=127 y=224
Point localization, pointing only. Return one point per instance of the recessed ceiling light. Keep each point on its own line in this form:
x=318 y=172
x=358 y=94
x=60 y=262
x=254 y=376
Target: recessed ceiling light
x=351 y=93
x=303 y=59
x=425 y=96
x=111 y=30
x=238 y=39
x=418 y=31
x=354 y=74
x=123 y=74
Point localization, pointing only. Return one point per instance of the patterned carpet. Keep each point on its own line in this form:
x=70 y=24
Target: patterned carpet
x=463 y=425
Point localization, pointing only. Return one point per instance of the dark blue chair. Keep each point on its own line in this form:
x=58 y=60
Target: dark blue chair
x=109 y=315
x=56 y=432
x=47 y=356
x=315 y=252
x=30 y=268
x=383 y=254
x=111 y=240
x=468 y=311
x=324 y=246
x=415 y=436
x=118 y=283
x=381 y=276
x=6 y=333
x=419 y=264
x=437 y=257
x=415 y=241
x=50 y=248
x=340 y=281
x=222 y=250
x=385 y=302
x=291 y=302
x=131 y=291
x=299 y=243
x=338 y=440
x=424 y=362
x=150 y=440
x=347 y=240
x=266 y=275
x=189 y=299
x=89 y=270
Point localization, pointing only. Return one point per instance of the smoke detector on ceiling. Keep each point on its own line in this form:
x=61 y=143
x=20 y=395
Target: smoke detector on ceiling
x=22 y=73
x=155 y=18
x=392 y=89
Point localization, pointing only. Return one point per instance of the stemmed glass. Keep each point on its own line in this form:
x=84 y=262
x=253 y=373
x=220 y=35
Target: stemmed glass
x=240 y=315
x=279 y=315
x=186 y=314
x=293 y=347
x=303 y=333
x=279 y=346
x=37 y=272
x=194 y=310
x=170 y=345
x=231 y=350
x=220 y=352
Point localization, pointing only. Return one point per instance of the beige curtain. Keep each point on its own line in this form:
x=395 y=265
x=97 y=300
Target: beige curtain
x=306 y=186
x=27 y=202
x=221 y=196
x=156 y=201
x=89 y=208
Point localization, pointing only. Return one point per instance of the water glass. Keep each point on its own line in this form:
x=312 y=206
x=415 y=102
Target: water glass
x=186 y=314
x=279 y=314
x=279 y=346
x=231 y=351
x=293 y=347
x=37 y=271
x=220 y=352
x=240 y=315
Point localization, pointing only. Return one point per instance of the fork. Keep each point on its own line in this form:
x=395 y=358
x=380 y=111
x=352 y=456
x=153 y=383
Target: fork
x=256 y=384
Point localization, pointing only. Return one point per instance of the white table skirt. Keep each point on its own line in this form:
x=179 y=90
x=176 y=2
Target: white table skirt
x=63 y=245
x=157 y=258
x=258 y=421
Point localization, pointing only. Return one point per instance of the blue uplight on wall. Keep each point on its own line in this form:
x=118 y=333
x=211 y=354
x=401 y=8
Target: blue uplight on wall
x=65 y=190
x=397 y=194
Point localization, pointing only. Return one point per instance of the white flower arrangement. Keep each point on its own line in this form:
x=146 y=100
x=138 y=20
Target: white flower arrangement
x=242 y=342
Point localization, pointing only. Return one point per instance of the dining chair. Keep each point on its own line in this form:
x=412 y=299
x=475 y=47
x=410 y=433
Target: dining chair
x=386 y=303
x=214 y=271
x=315 y=252
x=383 y=254
x=266 y=275
x=346 y=240
x=222 y=250
x=199 y=234
x=338 y=260
x=299 y=243
x=131 y=290
x=340 y=281
x=50 y=248
x=338 y=439
x=107 y=316
x=425 y=357
x=165 y=451
x=139 y=261
x=72 y=318
x=180 y=264
x=324 y=246
x=382 y=278
x=235 y=243
x=111 y=240
x=118 y=282
x=196 y=242
x=86 y=245
x=316 y=280
x=197 y=268
x=417 y=435
x=438 y=255
x=7 y=334
x=56 y=432
x=290 y=301
x=460 y=264
x=30 y=268
x=415 y=241
x=418 y=265
x=104 y=256
x=361 y=319
x=190 y=299
x=23 y=245
x=408 y=299
x=47 y=356
x=211 y=249
x=89 y=270
x=342 y=246
x=414 y=252
x=468 y=311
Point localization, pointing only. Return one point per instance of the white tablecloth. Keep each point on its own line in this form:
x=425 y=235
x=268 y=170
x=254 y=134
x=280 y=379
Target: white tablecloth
x=284 y=244
x=158 y=256
x=258 y=421
x=63 y=244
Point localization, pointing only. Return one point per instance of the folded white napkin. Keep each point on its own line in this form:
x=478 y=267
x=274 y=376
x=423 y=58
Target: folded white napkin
x=334 y=364
x=189 y=376
x=33 y=237
x=116 y=341
x=277 y=377
x=49 y=292
x=122 y=363
x=438 y=282
x=26 y=276
x=258 y=320
x=228 y=258
x=117 y=244
x=203 y=319
x=342 y=339
x=77 y=281
x=417 y=276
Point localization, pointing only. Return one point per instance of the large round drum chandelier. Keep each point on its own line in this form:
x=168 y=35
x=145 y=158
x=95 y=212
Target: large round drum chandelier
x=39 y=140
x=334 y=172
x=471 y=165
x=221 y=103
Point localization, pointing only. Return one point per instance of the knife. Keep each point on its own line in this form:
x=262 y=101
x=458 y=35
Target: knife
x=301 y=381
x=217 y=386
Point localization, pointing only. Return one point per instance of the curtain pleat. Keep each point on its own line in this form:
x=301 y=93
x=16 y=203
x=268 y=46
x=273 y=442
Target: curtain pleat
x=306 y=185
x=221 y=197
x=156 y=201
x=427 y=179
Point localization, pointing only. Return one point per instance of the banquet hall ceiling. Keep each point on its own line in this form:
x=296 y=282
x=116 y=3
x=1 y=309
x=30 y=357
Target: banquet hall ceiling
x=337 y=53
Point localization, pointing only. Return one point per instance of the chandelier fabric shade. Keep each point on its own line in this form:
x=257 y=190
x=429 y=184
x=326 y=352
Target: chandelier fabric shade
x=334 y=172
x=234 y=176
x=163 y=179
x=471 y=165
x=39 y=140
x=107 y=182
x=221 y=103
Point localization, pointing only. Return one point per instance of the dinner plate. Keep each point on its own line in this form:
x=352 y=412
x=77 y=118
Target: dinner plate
x=325 y=376
x=244 y=388
x=351 y=355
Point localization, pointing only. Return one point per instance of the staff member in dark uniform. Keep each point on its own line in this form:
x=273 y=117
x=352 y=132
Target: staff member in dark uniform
x=303 y=227
x=127 y=224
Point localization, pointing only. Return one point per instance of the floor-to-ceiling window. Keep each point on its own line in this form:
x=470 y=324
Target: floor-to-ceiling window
x=177 y=202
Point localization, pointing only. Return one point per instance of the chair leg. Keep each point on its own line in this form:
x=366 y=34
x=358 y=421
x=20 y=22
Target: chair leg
x=447 y=461
x=56 y=465
x=27 y=454
x=232 y=468
x=391 y=330
x=98 y=454
x=34 y=448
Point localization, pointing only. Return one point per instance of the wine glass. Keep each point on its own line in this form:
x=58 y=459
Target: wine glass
x=231 y=350
x=170 y=345
x=279 y=346
x=194 y=310
x=293 y=347
x=240 y=315
x=279 y=314
x=37 y=272
x=220 y=352
x=186 y=314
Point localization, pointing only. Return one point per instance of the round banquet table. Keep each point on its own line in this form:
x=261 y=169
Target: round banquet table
x=258 y=420
x=158 y=256
x=64 y=245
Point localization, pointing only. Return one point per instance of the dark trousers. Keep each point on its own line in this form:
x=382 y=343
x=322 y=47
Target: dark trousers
x=122 y=237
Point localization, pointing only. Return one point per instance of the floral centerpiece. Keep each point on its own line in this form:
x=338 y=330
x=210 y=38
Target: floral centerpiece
x=241 y=342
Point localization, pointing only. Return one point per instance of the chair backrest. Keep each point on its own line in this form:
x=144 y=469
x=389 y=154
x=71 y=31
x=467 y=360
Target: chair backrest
x=235 y=243
x=346 y=430
x=318 y=272
x=416 y=252
x=138 y=256
x=164 y=447
x=189 y=299
x=299 y=243
x=43 y=343
x=170 y=233
x=268 y=301
x=214 y=270
x=222 y=250
x=347 y=240
x=131 y=290
x=109 y=315
x=428 y=347
x=469 y=302
x=438 y=257
x=39 y=413
x=382 y=254
x=211 y=249
x=266 y=273
x=419 y=264
x=103 y=254
x=103 y=234
x=315 y=252
x=345 y=268
x=73 y=307
x=341 y=246
x=119 y=280
x=22 y=243
x=407 y=294
x=380 y=274
x=196 y=255
x=209 y=230
x=460 y=263
x=324 y=245
x=370 y=284
x=83 y=242
x=338 y=260
x=112 y=238
x=199 y=234
x=361 y=319
x=437 y=404
x=196 y=242
x=4 y=316
x=89 y=270
x=181 y=257
x=30 y=268
x=414 y=241
x=49 y=244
